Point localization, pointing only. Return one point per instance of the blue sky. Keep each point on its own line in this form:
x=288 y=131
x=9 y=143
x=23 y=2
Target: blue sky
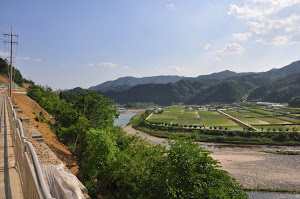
x=65 y=44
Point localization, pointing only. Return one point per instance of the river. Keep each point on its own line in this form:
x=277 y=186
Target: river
x=125 y=118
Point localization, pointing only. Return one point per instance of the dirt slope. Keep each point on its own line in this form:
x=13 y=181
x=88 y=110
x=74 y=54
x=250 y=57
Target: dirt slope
x=31 y=109
x=3 y=80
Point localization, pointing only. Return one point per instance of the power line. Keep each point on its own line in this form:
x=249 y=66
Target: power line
x=11 y=35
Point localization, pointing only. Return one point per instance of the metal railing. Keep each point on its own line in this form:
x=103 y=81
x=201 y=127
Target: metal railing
x=32 y=180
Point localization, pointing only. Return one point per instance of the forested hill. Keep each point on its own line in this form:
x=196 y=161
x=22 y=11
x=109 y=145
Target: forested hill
x=221 y=75
x=281 y=90
x=190 y=91
x=17 y=76
x=163 y=94
x=128 y=82
x=276 y=85
x=284 y=71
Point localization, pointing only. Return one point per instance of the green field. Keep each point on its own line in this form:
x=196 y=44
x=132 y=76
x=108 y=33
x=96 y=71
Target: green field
x=290 y=119
x=195 y=121
x=210 y=114
x=296 y=115
x=274 y=120
x=252 y=121
x=243 y=111
x=189 y=117
x=218 y=122
x=178 y=115
x=234 y=113
x=210 y=119
x=252 y=114
x=161 y=120
x=264 y=112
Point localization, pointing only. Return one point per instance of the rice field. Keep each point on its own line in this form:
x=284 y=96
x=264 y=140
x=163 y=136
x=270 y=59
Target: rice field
x=290 y=119
x=274 y=120
x=264 y=112
x=210 y=114
x=252 y=121
x=195 y=121
x=160 y=120
x=210 y=119
x=252 y=114
x=234 y=113
x=218 y=122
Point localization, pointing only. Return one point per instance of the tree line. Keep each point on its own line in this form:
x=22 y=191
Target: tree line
x=113 y=164
x=17 y=76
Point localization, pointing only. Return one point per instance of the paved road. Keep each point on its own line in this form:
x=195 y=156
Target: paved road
x=10 y=186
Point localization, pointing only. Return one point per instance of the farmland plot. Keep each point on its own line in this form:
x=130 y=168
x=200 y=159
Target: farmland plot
x=210 y=114
x=290 y=119
x=252 y=121
x=235 y=113
x=218 y=122
x=274 y=120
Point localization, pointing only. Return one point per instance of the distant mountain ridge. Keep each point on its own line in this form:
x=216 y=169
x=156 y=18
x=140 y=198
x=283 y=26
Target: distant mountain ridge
x=276 y=85
x=127 y=82
x=123 y=83
x=292 y=68
x=221 y=75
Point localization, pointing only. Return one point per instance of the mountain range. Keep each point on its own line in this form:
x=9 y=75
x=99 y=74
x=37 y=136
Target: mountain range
x=276 y=85
x=124 y=83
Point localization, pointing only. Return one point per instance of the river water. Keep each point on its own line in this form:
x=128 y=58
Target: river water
x=125 y=118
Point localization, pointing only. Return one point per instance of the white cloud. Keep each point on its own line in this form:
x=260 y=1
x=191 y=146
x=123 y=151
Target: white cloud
x=207 y=46
x=260 y=9
x=3 y=54
x=180 y=69
x=241 y=36
x=271 y=22
x=279 y=40
x=37 y=60
x=29 y=59
x=277 y=32
x=170 y=6
x=107 y=65
x=231 y=49
x=23 y=58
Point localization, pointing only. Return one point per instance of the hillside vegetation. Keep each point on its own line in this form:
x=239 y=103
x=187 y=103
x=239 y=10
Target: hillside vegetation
x=276 y=85
x=281 y=90
x=128 y=82
x=115 y=165
x=17 y=76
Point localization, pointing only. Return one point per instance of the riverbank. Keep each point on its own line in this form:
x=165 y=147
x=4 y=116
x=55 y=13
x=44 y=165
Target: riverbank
x=252 y=168
x=126 y=111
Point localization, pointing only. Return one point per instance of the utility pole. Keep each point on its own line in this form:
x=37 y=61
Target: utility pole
x=11 y=52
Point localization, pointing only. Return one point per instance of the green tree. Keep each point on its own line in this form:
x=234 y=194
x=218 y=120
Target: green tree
x=98 y=110
x=188 y=171
x=295 y=101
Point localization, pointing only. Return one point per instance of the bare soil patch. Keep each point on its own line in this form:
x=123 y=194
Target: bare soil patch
x=251 y=168
x=31 y=109
x=258 y=170
x=3 y=80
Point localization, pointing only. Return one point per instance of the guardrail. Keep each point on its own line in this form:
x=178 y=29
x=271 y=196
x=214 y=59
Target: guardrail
x=32 y=180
